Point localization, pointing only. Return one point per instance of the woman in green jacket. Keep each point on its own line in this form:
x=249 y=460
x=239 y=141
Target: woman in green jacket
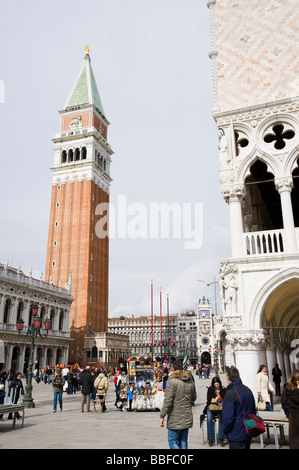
x=180 y=395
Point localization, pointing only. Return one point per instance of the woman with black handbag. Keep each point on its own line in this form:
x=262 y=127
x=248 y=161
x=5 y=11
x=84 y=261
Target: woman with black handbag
x=215 y=395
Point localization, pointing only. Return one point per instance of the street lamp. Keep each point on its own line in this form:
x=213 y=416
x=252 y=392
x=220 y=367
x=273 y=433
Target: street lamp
x=77 y=354
x=33 y=330
x=173 y=344
x=209 y=284
x=168 y=347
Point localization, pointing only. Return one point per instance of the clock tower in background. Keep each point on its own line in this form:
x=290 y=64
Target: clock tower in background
x=81 y=181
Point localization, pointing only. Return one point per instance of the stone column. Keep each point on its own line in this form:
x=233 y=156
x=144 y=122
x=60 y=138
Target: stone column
x=281 y=365
x=9 y=356
x=233 y=196
x=247 y=348
x=21 y=357
x=271 y=358
x=27 y=306
x=286 y=357
x=263 y=355
x=284 y=187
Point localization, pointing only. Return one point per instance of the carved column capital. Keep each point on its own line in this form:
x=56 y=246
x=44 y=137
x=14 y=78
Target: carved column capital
x=233 y=193
x=245 y=340
x=284 y=184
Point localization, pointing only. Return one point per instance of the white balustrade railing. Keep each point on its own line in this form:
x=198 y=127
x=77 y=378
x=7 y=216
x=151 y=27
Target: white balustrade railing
x=264 y=242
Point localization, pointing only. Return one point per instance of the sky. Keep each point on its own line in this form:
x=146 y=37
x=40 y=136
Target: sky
x=151 y=64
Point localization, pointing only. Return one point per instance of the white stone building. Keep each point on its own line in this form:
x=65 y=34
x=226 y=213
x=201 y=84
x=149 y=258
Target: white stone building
x=140 y=331
x=255 y=107
x=18 y=293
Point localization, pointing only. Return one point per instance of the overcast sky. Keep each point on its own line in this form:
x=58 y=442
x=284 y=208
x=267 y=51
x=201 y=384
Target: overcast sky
x=150 y=60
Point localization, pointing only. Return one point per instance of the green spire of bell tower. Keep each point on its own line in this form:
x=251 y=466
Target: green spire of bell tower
x=85 y=90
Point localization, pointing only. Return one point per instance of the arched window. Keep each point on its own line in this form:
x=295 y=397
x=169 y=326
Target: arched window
x=77 y=154
x=94 y=352
x=83 y=153
x=42 y=312
x=263 y=203
x=20 y=310
x=70 y=155
x=52 y=316
x=7 y=310
x=60 y=327
x=63 y=156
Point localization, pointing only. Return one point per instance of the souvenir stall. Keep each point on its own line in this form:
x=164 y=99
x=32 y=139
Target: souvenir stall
x=145 y=385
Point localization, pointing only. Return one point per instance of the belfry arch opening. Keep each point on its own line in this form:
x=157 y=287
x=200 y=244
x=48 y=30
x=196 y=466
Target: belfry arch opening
x=262 y=205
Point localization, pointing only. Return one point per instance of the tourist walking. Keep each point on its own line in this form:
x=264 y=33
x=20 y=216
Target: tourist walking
x=116 y=381
x=180 y=395
x=49 y=375
x=101 y=385
x=15 y=391
x=57 y=384
x=291 y=396
x=86 y=381
x=213 y=408
x=232 y=412
x=264 y=386
x=2 y=398
x=71 y=380
x=276 y=372
x=3 y=376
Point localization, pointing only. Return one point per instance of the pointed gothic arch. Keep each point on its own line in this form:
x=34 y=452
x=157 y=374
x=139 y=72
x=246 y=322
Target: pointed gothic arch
x=276 y=300
x=262 y=205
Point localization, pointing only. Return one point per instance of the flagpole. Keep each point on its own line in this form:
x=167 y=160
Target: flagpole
x=168 y=336
x=160 y=313
x=161 y=322
x=152 y=319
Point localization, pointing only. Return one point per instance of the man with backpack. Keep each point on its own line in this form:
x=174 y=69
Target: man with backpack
x=232 y=410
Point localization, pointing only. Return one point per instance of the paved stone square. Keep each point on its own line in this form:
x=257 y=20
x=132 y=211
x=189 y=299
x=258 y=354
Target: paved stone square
x=114 y=429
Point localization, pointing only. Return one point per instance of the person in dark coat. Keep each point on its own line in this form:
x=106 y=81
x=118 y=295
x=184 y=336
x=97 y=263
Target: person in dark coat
x=71 y=380
x=86 y=388
x=16 y=390
x=277 y=374
x=284 y=405
x=232 y=413
x=291 y=396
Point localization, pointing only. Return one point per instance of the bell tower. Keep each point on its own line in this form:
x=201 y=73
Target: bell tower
x=81 y=181
x=255 y=107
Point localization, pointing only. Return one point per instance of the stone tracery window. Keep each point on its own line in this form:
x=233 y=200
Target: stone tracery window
x=241 y=141
x=279 y=135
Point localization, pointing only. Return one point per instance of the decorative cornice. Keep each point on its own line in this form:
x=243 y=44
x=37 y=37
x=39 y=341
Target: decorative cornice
x=256 y=112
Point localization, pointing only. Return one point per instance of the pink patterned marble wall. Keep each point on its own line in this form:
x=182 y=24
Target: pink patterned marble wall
x=257 y=45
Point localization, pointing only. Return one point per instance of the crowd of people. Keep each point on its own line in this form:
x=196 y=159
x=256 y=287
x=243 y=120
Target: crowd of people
x=228 y=405
x=91 y=383
x=224 y=403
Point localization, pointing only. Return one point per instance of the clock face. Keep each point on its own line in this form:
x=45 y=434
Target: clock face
x=205 y=341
